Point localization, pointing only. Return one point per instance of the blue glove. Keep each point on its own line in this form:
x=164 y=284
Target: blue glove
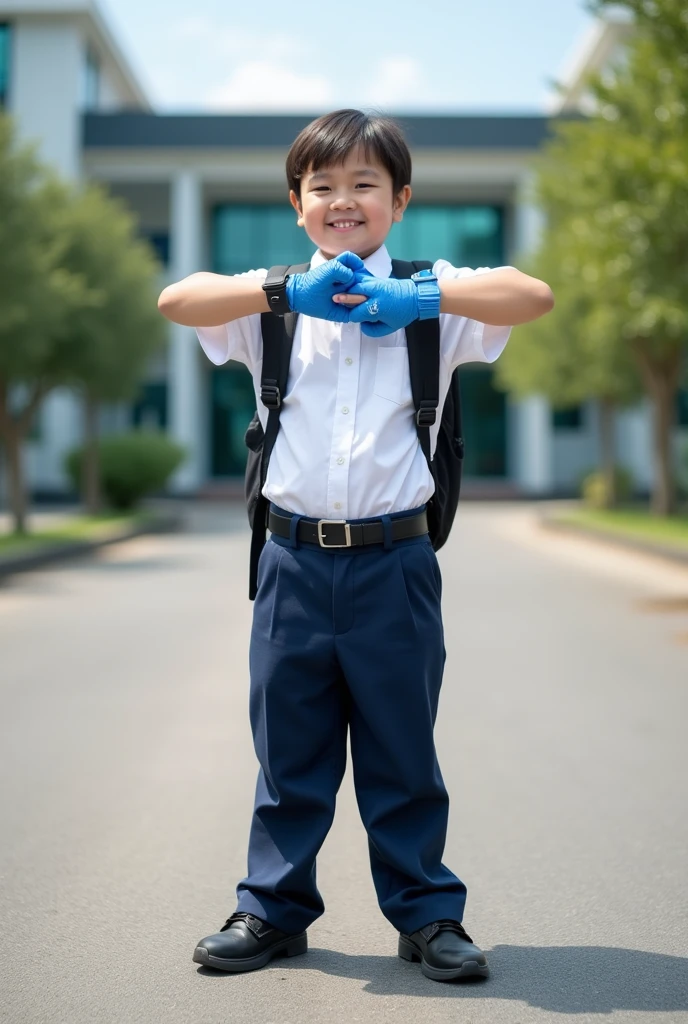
x=391 y=305
x=311 y=293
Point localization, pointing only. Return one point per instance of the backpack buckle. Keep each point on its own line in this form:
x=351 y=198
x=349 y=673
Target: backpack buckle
x=427 y=414
x=270 y=396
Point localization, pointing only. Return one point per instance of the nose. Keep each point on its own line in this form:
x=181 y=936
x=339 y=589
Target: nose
x=343 y=202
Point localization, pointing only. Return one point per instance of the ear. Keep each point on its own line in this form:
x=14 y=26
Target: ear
x=401 y=201
x=296 y=203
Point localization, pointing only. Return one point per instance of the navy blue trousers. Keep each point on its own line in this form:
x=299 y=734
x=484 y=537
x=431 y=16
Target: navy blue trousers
x=348 y=640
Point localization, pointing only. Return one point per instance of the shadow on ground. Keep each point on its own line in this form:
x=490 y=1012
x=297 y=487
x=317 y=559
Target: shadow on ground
x=560 y=979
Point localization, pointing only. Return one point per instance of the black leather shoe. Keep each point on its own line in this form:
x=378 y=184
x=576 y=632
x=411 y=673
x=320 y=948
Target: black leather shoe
x=445 y=951
x=245 y=943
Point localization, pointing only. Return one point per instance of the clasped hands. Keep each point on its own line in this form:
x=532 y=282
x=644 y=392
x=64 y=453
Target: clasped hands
x=342 y=290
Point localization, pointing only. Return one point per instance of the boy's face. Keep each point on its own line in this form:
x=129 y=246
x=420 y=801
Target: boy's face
x=349 y=206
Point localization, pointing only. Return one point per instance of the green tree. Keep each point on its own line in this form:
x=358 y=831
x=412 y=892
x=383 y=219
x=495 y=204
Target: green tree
x=77 y=304
x=37 y=295
x=105 y=346
x=576 y=352
x=614 y=189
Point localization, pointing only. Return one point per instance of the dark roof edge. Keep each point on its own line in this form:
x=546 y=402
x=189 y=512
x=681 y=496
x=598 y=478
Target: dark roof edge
x=255 y=131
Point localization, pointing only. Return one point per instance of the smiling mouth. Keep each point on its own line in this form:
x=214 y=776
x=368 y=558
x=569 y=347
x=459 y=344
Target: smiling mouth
x=345 y=225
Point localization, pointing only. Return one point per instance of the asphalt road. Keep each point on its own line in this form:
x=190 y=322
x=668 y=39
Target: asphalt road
x=128 y=775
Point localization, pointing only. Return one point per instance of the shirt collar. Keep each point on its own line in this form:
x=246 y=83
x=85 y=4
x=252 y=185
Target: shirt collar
x=379 y=263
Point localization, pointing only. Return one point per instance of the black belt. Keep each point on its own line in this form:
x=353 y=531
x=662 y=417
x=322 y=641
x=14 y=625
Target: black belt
x=338 y=533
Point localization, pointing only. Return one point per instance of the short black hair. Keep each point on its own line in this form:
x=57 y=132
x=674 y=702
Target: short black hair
x=329 y=139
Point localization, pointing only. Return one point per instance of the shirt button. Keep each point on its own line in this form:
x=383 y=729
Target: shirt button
x=337 y=504
x=348 y=360
x=340 y=460
x=345 y=409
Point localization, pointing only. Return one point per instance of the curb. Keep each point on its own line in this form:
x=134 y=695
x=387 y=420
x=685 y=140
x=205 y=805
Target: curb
x=664 y=551
x=11 y=564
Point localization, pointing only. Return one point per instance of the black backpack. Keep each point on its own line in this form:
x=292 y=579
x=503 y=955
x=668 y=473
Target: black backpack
x=423 y=342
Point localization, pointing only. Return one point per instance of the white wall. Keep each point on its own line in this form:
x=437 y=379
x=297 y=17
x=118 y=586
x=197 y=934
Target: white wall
x=634 y=443
x=60 y=430
x=46 y=69
x=574 y=450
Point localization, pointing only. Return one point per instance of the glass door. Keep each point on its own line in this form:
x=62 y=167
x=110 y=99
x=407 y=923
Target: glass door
x=483 y=410
x=232 y=405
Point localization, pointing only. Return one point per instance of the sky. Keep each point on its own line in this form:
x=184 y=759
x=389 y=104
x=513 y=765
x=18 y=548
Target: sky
x=400 y=56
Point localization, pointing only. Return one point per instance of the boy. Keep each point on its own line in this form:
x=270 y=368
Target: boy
x=349 y=638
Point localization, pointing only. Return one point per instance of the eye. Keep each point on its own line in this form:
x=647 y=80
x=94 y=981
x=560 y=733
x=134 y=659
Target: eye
x=320 y=188
x=364 y=184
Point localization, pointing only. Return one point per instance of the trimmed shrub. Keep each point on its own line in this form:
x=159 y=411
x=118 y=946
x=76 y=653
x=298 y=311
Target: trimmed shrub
x=595 y=491
x=131 y=465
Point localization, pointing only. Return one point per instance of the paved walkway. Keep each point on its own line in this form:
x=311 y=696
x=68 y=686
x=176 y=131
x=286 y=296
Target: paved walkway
x=128 y=775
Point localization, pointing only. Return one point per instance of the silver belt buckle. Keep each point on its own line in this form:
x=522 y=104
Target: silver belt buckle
x=334 y=522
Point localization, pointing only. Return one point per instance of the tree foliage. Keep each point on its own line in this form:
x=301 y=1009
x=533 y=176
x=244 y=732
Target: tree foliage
x=77 y=299
x=106 y=344
x=614 y=190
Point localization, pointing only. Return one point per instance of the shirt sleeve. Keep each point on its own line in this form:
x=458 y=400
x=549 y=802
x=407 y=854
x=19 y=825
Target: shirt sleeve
x=464 y=340
x=240 y=339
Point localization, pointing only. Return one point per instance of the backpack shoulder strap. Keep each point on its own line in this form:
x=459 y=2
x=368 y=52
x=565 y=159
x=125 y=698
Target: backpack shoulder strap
x=278 y=337
x=423 y=342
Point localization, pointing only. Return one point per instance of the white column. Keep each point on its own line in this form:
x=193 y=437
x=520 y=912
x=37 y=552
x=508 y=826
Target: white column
x=528 y=217
x=185 y=378
x=533 y=457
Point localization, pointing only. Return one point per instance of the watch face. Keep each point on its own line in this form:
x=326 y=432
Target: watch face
x=424 y=275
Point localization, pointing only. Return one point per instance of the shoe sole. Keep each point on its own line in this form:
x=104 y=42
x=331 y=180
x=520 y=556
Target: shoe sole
x=469 y=969
x=292 y=946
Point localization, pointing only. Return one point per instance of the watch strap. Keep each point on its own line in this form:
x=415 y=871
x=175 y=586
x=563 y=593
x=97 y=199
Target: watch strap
x=429 y=295
x=275 y=287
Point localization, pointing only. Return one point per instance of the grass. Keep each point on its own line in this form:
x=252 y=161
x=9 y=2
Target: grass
x=78 y=528
x=632 y=523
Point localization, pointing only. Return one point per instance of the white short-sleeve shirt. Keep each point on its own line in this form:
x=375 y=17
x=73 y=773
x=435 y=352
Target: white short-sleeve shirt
x=347 y=447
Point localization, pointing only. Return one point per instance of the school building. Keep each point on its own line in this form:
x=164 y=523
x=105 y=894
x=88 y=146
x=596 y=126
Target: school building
x=209 y=193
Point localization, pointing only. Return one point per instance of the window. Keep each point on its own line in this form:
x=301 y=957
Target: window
x=467 y=236
x=568 y=419
x=682 y=408
x=35 y=432
x=159 y=242
x=149 y=411
x=90 y=85
x=249 y=236
x=4 y=63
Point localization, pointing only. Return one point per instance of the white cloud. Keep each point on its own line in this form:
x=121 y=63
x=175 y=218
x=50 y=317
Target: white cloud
x=214 y=39
x=396 y=80
x=252 y=69
x=238 y=42
x=266 y=85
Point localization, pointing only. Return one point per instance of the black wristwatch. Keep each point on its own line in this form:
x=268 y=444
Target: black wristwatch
x=275 y=287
